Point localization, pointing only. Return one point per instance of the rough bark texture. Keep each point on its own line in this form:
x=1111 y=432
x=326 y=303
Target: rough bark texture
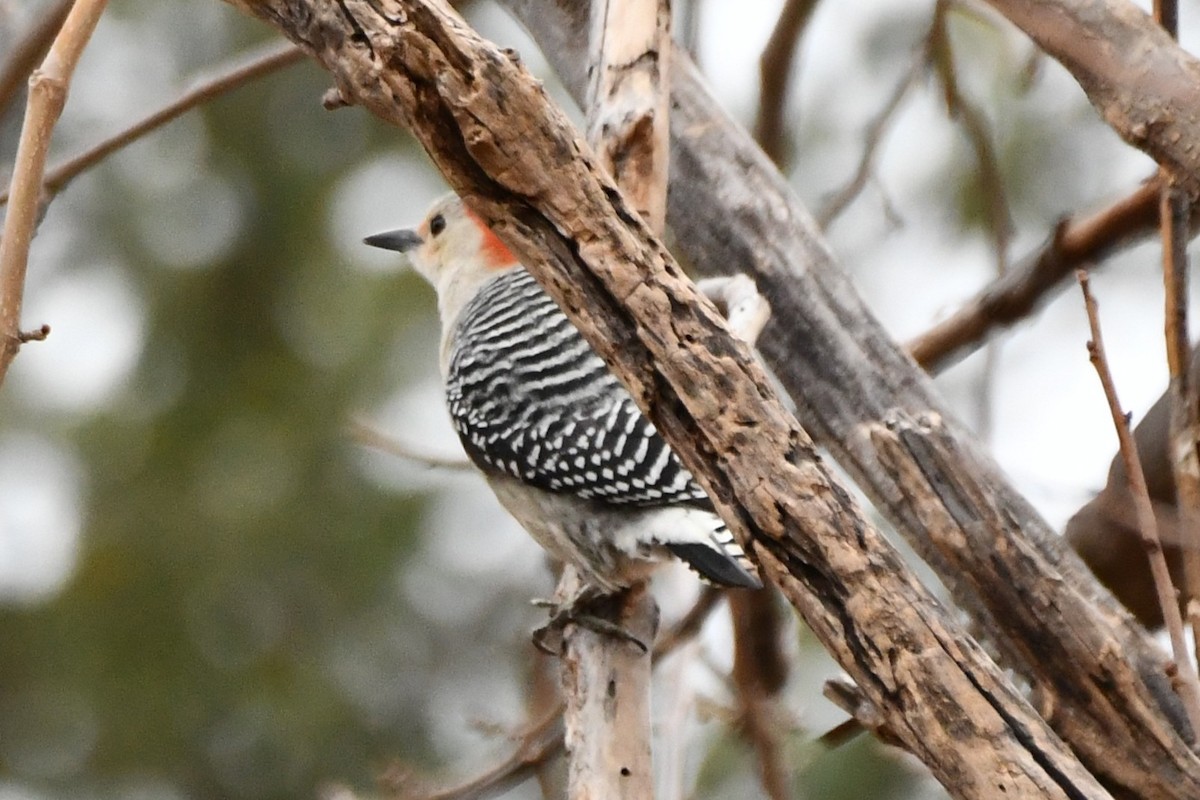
x=606 y=687
x=731 y=210
x=628 y=98
x=606 y=681
x=516 y=160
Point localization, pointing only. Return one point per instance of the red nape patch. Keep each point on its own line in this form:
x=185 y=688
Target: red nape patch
x=496 y=254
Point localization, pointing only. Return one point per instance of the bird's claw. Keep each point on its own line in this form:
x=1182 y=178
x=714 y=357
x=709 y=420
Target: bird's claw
x=578 y=611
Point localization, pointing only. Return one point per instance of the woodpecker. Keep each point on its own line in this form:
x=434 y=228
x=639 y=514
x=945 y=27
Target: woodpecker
x=559 y=439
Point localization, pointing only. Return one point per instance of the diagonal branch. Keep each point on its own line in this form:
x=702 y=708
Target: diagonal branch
x=541 y=741
x=244 y=69
x=487 y=124
x=1144 y=85
x=1015 y=295
x=848 y=377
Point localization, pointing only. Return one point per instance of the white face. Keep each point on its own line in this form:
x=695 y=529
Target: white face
x=441 y=232
x=452 y=236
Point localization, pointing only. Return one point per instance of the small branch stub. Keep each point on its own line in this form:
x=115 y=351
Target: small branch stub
x=36 y=335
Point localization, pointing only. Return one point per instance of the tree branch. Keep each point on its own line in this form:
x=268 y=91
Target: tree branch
x=515 y=159
x=537 y=744
x=25 y=53
x=605 y=680
x=1012 y=297
x=542 y=739
x=47 y=95
x=628 y=108
x=1143 y=84
x=848 y=379
x=774 y=76
x=1188 y=685
x=1175 y=213
x=244 y=69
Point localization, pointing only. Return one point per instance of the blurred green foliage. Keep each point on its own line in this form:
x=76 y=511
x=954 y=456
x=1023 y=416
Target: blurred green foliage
x=228 y=534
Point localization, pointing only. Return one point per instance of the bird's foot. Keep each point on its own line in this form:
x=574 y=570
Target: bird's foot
x=590 y=608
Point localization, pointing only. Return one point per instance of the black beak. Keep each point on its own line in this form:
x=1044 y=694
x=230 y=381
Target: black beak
x=401 y=241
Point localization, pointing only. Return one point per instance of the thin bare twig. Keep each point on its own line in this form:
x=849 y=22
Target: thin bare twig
x=1185 y=679
x=844 y=694
x=1175 y=216
x=840 y=199
x=536 y=744
x=689 y=624
x=775 y=72
x=542 y=696
x=977 y=129
x=1074 y=241
x=243 y=69
x=1184 y=421
x=26 y=52
x=47 y=95
x=369 y=435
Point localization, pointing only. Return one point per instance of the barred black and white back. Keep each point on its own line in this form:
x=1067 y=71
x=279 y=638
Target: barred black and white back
x=531 y=401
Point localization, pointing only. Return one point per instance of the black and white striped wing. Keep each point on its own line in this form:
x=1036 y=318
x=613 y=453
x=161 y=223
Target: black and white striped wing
x=530 y=399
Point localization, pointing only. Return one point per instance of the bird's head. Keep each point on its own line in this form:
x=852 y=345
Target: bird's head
x=452 y=242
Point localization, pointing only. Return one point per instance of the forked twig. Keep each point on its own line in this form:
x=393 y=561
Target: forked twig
x=840 y=199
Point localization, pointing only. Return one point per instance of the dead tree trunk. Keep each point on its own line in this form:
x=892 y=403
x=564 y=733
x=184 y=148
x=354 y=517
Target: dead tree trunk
x=516 y=160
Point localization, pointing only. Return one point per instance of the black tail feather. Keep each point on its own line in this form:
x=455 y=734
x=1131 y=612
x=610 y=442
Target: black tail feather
x=715 y=566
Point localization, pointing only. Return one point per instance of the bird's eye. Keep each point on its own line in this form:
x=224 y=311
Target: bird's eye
x=437 y=224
